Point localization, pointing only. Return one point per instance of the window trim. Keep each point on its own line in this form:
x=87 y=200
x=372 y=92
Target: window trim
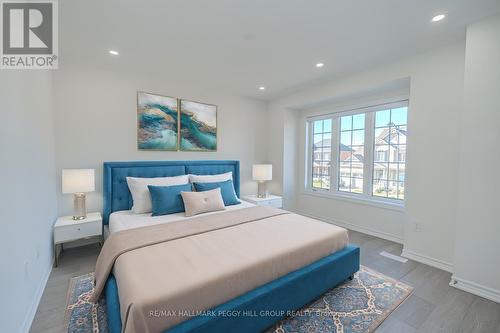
x=378 y=202
x=367 y=196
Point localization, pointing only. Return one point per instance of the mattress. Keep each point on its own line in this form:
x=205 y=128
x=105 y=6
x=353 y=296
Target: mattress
x=126 y=219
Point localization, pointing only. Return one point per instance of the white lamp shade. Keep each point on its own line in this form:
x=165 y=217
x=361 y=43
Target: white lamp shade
x=262 y=172
x=78 y=180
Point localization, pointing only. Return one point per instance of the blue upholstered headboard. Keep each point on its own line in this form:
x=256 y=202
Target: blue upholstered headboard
x=115 y=189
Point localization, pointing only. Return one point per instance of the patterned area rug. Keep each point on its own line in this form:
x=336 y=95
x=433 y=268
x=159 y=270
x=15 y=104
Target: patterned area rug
x=356 y=306
x=81 y=315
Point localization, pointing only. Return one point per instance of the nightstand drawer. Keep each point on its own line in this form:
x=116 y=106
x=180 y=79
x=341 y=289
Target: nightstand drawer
x=270 y=200
x=274 y=203
x=77 y=231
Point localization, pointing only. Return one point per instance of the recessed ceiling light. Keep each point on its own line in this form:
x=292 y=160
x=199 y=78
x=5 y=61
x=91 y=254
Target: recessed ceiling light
x=320 y=64
x=438 y=18
x=262 y=88
x=113 y=52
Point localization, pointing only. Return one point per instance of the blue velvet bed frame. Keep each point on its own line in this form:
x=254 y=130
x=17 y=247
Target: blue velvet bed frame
x=261 y=307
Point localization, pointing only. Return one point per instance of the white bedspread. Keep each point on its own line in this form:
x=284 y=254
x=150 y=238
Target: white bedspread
x=126 y=219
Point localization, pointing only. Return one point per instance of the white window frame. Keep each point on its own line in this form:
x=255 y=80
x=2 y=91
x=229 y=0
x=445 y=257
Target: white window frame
x=366 y=197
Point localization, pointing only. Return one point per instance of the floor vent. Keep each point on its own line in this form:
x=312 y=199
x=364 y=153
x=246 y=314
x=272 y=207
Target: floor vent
x=393 y=257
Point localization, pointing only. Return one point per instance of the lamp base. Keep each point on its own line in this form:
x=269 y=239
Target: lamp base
x=80 y=211
x=261 y=190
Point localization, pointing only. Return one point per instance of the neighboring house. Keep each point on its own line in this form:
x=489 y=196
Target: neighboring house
x=389 y=160
x=389 y=157
x=322 y=154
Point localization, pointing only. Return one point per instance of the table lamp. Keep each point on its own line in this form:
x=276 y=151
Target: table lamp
x=262 y=173
x=78 y=182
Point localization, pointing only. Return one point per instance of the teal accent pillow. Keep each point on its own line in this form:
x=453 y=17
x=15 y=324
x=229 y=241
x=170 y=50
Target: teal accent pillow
x=167 y=199
x=226 y=189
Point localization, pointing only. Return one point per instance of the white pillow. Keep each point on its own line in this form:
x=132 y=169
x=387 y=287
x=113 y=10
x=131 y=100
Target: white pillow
x=140 y=193
x=211 y=178
x=202 y=202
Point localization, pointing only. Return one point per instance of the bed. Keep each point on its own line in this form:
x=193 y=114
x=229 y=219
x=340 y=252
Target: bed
x=243 y=292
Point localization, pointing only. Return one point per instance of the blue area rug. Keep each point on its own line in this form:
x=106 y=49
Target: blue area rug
x=356 y=306
x=81 y=315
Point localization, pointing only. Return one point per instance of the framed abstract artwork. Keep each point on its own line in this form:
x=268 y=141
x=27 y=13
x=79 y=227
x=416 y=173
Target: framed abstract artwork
x=198 y=126
x=157 y=122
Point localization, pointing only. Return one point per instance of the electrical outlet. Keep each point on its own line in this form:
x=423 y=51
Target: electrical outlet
x=418 y=227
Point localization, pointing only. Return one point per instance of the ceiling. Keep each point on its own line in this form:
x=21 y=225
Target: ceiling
x=238 y=45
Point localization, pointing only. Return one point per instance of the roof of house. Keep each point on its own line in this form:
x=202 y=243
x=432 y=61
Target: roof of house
x=384 y=136
x=323 y=143
x=328 y=143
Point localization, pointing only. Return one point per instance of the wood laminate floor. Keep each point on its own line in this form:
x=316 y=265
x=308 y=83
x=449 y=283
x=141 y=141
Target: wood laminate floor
x=434 y=306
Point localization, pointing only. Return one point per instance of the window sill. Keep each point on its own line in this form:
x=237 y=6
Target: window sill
x=353 y=198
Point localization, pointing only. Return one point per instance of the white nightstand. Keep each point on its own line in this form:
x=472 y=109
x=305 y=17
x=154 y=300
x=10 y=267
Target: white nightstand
x=68 y=230
x=270 y=200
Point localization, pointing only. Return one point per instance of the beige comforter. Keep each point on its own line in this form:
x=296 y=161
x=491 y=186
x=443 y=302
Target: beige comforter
x=168 y=273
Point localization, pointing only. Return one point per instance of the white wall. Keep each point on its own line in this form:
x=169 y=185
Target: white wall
x=477 y=250
x=96 y=122
x=434 y=124
x=28 y=194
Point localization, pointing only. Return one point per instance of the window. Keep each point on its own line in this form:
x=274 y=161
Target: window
x=321 y=150
x=361 y=153
x=351 y=153
x=390 y=138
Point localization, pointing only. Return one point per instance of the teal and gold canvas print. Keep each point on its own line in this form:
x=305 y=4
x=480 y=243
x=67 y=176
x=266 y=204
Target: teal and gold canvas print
x=157 y=118
x=198 y=130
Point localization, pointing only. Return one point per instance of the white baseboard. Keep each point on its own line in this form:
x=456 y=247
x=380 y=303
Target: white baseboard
x=30 y=315
x=437 y=263
x=362 y=229
x=476 y=289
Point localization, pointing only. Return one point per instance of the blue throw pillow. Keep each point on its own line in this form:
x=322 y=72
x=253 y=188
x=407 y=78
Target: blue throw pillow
x=167 y=199
x=226 y=189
